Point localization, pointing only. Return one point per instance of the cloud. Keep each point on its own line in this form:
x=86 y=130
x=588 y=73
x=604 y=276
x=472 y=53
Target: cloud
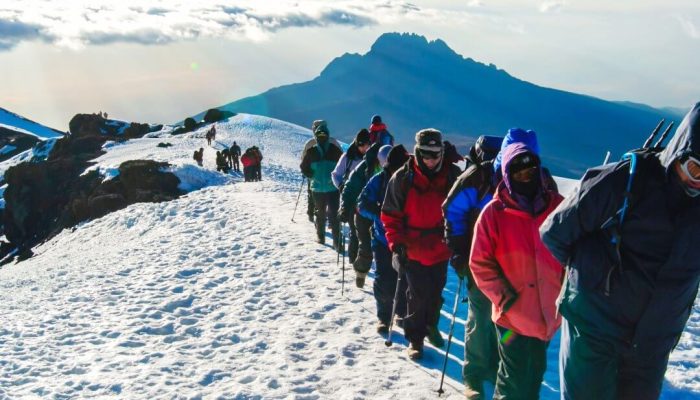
x=155 y=22
x=689 y=27
x=13 y=32
x=553 y=6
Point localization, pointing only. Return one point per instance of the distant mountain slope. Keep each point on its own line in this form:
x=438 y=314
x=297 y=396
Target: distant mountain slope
x=414 y=83
x=18 y=134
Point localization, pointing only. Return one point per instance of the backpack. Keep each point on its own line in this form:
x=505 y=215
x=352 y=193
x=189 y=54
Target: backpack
x=641 y=160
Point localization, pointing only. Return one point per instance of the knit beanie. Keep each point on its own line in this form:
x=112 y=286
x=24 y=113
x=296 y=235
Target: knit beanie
x=376 y=119
x=383 y=154
x=397 y=157
x=362 y=137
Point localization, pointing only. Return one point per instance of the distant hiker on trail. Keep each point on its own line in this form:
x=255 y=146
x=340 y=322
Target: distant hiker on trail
x=308 y=145
x=199 y=156
x=360 y=226
x=235 y=153
x=632 y=272
x=412 y=216
x=378 y=132
x=250 y=162
x=517 y=273
x=227 y=156
x=221 y=164
x=317 y=165
x=346 y=165
x=369 y=206
x=208 y=136
x=211 y=135
x=257 y=171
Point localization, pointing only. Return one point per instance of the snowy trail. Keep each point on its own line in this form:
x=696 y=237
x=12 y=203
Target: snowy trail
x=218 y=295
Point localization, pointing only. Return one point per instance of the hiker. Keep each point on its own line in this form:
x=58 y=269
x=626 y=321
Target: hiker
x=346 y=165
x=317 y=166
x=626 y=303
x=208 y=136
x=513 y=268
x=308 y=145
x=378 y=132
x=213 y=132
x=359 y=225
x=473 y=189
x=470 y=193
x=412 y=216
x=199 y=156
x=221 y=164
x=248 y=161
x=226 y=153
x=257 y=171
x=235 y=153
x=369 y=206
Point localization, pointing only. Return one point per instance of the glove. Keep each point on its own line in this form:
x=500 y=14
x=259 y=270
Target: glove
x=460 y=263
x=399 y=258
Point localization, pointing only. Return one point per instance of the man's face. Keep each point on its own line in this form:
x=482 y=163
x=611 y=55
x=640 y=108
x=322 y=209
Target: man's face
x=431 y=159
x=525 y=167
x=363 y=148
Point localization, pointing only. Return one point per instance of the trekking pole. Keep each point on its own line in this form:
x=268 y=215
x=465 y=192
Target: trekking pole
x=298 y=197
x=657 y=146
x=388 y=341
x=449 y=338
x=650 y=139
x=342 y=249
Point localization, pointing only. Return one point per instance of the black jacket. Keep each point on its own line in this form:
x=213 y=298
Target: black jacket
x=653 y=282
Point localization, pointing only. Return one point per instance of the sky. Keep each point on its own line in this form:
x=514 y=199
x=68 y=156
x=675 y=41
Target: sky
x=161 y=61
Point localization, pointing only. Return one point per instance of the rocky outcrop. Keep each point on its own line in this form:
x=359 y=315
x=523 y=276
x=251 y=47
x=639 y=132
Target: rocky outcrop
x=13 y=142
x=43 y=198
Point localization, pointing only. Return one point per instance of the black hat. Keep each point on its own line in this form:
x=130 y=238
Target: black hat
x=362 y=137
x=429 y=140
x=376 y=119
x=397 y=157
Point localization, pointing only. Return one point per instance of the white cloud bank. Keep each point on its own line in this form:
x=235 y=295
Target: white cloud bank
x=74 y=25
x=689 y=27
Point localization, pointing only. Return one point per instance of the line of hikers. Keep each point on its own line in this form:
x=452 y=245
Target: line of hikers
x=228 y=160
x=617 y=259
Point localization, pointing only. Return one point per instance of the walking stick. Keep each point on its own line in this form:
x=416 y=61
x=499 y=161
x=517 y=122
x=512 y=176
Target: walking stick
x=298 y=196
x=449 y=338
x=388 y=341
x=342 y=249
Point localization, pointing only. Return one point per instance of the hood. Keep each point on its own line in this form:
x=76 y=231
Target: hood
x=517 y=135
x=685 y=140
x=509 y=154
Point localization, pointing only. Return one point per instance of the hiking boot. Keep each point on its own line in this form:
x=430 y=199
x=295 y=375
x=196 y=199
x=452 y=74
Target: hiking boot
x=311 y=218
x=360 y=279
x=362 y=263
x=434 y=337
x=382 y=327
x=415 y=351
x=474 y=389
x=321 y=239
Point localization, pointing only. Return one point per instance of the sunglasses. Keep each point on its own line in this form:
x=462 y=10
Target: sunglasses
x=691 y=168
x=429 y=155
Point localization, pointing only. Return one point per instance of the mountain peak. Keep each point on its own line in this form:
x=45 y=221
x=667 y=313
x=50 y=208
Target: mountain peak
x=407 y=43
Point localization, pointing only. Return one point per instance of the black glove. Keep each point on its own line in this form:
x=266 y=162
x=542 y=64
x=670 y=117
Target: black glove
x=399 y=258
x=460 y=263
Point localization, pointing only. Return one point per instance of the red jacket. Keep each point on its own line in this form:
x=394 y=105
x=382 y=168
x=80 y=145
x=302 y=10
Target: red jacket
x=412 y=212
x=510 y=263
x=248 y=160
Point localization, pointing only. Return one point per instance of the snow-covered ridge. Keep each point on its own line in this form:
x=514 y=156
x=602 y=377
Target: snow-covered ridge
x=12 y=121
x=219 y=295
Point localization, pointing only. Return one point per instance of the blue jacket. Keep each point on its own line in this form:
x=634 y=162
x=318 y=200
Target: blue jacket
x=641 y=297
x=369 y=205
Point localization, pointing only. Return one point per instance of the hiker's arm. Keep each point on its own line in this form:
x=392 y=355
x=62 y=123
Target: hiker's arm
x=339 y=171
x=393 y=215
x=581 y=213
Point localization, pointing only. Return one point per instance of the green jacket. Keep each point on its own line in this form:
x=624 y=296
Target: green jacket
x=358 y=179
x=318 y=164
